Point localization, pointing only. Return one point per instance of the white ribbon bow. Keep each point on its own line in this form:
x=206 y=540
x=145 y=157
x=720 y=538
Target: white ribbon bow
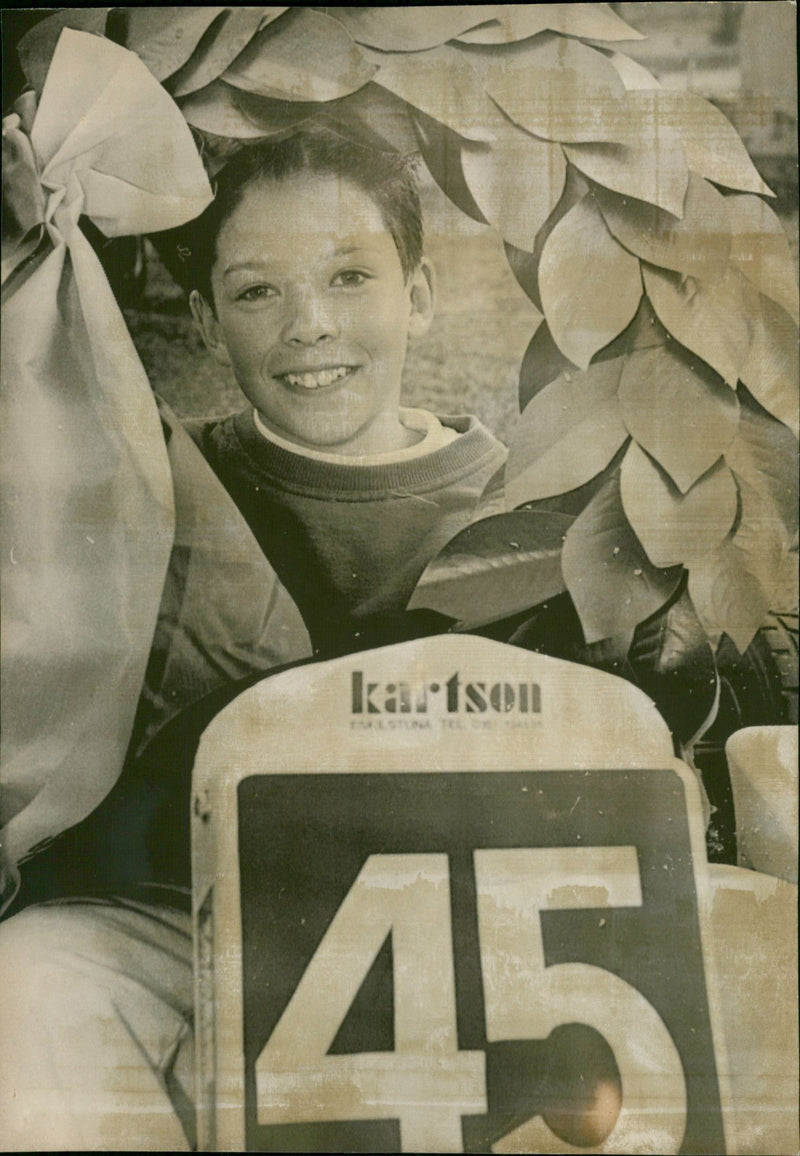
x=87 y=500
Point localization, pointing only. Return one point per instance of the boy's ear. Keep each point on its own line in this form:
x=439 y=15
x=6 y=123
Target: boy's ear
x=209 y=328
x=423 y=298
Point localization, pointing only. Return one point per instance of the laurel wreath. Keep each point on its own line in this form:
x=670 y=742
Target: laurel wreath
x=658 y=396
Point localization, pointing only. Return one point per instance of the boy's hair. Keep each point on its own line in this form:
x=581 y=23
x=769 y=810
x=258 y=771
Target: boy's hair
x=388 y=177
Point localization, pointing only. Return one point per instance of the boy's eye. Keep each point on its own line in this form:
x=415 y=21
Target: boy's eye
x=257 y=293
x=350 y=278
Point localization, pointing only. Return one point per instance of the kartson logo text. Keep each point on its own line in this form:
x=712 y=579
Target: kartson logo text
x=453 y=696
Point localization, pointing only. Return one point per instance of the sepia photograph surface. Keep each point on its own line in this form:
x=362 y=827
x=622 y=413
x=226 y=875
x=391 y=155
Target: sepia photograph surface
x=399 y=579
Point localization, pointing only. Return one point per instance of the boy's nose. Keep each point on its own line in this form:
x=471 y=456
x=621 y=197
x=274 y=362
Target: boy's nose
x=308 y=321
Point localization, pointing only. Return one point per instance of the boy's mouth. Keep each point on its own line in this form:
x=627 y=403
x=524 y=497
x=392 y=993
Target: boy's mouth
x=318 y=378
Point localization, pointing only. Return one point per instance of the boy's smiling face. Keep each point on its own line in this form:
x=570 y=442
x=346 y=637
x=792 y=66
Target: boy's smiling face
x=313 y=312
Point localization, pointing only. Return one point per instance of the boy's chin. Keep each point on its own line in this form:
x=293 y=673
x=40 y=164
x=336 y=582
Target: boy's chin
x=330 y=437
x=343 y=439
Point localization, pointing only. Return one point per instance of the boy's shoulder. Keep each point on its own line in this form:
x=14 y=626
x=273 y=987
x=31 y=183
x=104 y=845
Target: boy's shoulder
x=472 y=430
x=464 y=423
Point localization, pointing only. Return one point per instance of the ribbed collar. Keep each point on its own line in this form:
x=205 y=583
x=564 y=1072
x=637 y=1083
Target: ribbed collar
x=333 y=480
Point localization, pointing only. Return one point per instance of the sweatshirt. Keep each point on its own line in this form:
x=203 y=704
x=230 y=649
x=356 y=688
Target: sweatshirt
x=350 y=541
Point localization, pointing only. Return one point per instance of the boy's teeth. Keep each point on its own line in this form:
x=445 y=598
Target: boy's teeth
x=314 y=380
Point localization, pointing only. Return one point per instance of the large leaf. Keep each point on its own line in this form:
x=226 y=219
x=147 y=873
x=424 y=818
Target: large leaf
x=495 y=568
x=230 y=112
x=561 y=90
x=712 y=318
x=412 y=28
x=713 y=147
x=567 y=433
x=732 y=587
x=542 y=364
x=445 y=85
x=698 y=244
x=590 y=286
x=644 y=332
x=632 y=74
x=305 y=56
x=525 y=267
x=759 y=537
x=441 y=150
x=36 y=48
x=656 y=172
x=375 y=117
x=677 y=410
x=517 y=182
x=544 y=361
x=764 y=454
x=165 y=38
x=219 y=47
x=509 y=22
x=787 y=588
x=525 y=264
x=572 y=502
x=770 y=370
x=672 y=526
x=611 y=580
x=760 y=249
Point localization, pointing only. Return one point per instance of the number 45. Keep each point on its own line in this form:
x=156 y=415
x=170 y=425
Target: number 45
x=427 y=1083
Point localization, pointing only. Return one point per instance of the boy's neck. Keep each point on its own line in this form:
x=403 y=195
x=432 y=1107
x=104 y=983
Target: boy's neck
x=385 y=434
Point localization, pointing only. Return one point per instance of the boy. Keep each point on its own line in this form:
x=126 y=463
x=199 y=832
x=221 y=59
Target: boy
x=308 y=278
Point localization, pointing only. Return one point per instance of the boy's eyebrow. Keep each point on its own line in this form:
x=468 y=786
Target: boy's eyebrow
x=343 y=251
x=347 y=250
x=239 y=266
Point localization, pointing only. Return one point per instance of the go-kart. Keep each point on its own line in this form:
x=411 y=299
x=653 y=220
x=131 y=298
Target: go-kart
x=453 y=896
